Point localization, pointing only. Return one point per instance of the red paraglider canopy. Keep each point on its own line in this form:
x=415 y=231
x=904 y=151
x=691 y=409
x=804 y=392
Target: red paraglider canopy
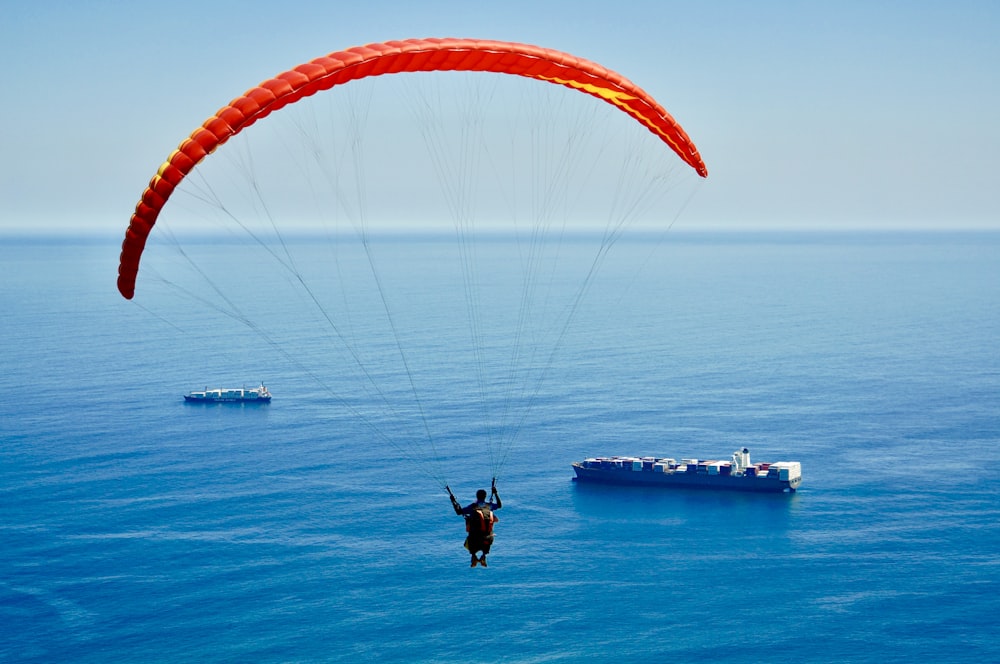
x=413 y=55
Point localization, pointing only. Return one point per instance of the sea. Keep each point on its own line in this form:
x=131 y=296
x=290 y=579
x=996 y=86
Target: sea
x=137 y=528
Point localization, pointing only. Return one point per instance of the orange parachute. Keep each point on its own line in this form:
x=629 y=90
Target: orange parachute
x=413 y=55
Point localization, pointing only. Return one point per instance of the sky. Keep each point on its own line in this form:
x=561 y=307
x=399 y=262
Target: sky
x=809 y=115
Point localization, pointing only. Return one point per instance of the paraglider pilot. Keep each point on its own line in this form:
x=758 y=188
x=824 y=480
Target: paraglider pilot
x=479 y=520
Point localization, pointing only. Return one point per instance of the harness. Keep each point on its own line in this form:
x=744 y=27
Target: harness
x=480 y=521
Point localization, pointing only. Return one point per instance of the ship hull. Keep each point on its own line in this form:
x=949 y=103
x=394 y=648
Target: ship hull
x=685 y=480
x=190 y=399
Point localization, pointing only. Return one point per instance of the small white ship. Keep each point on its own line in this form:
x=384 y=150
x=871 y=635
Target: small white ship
x=231 y=395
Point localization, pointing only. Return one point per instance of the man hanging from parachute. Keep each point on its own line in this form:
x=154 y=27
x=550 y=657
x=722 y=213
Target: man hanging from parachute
x=479 y=519
x=397 y=57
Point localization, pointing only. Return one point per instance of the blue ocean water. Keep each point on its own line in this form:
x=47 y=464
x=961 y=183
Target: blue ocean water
x=137 y=528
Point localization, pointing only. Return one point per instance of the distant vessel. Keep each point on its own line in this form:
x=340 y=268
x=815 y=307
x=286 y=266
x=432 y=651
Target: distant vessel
x=735 y=475
x=232 y=395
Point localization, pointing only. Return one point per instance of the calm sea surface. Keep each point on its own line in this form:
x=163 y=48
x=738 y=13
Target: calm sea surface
x=136 y=528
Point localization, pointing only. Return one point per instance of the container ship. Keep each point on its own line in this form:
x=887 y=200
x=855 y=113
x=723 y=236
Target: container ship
x=231 y=395
x=738 y=474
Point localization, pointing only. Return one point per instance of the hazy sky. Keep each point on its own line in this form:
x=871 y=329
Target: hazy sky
x=808 y=114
